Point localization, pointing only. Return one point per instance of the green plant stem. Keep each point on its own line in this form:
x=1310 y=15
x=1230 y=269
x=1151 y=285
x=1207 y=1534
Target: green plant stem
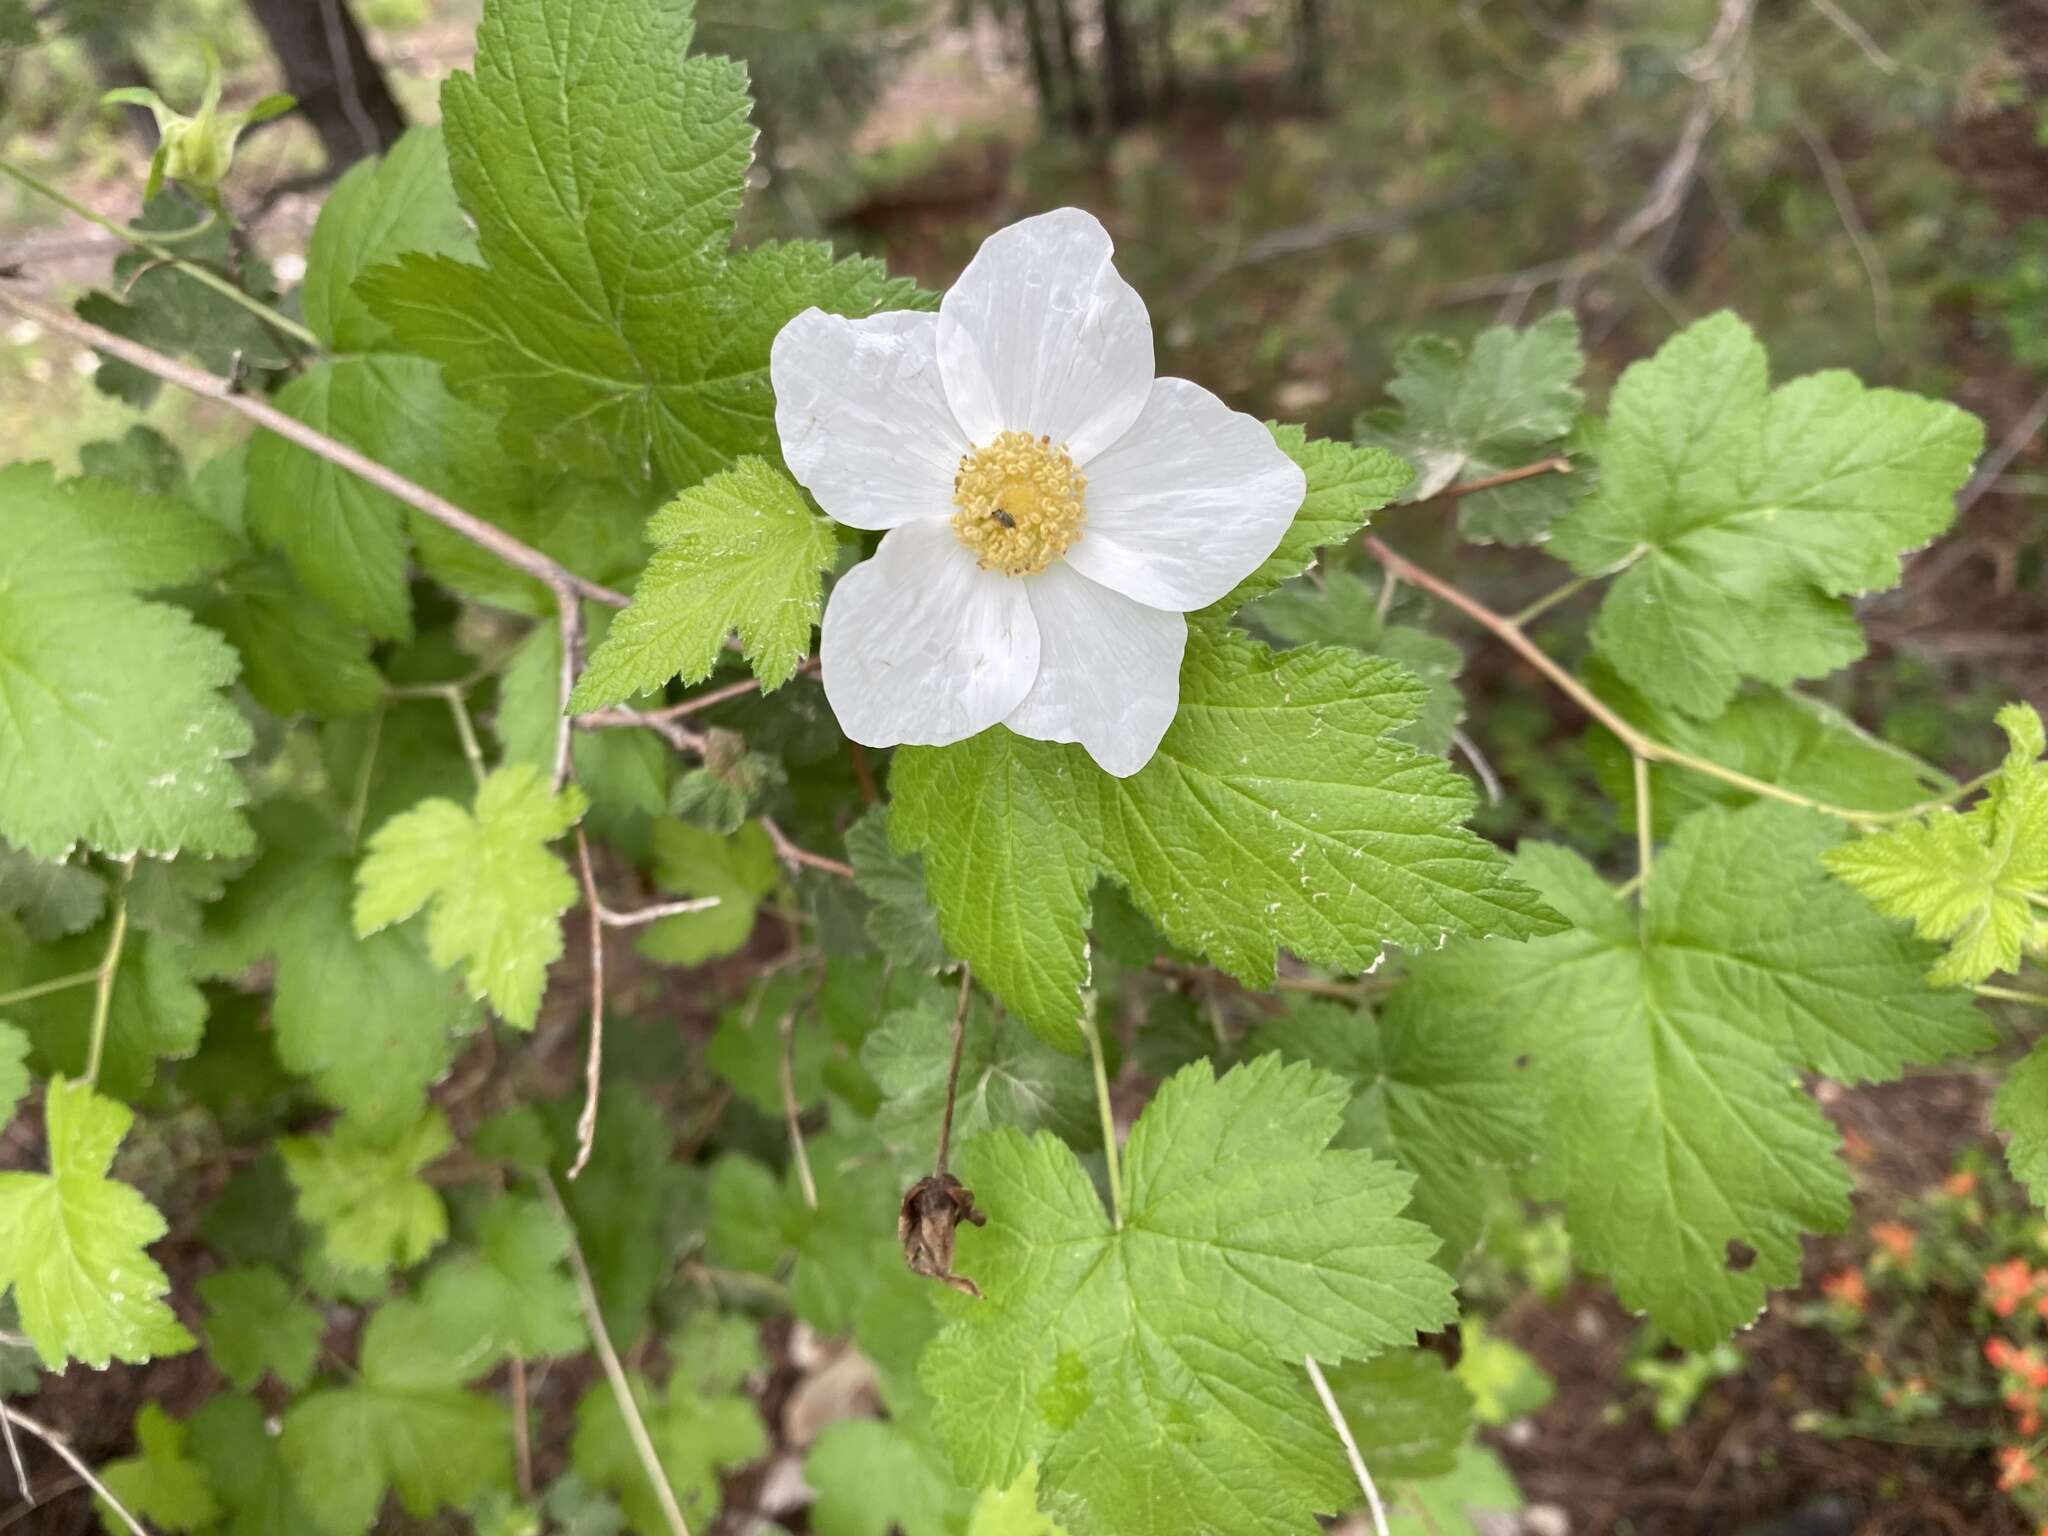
x=465 y=731
x=103 y=999
x=2013 y=995
x=154 y=245
x=1637 y=742
x=42 y=988
x=1102 y=1104
x=1646 y=845
x=359 y=806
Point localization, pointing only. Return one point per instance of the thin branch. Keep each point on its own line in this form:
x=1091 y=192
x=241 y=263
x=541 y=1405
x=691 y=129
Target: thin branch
x=465 y=733
x=152 y=243
x=1853 y=30
x=1558 y=465
x=514 y=552
x=110 y=963
x=71 y=1459
x=615 y=1373
x=791 y=1112
x=569 y=613
x=2024 y=431
x=1852 y=225
x=593 y=1064
x=1343 y=1428
x=803 y=858
x=1488 y=779
x=953 y=1072
x=1635 y=740
x=640 y=916
x=522 y=1432
x=14 y=1459
x=2012 y=995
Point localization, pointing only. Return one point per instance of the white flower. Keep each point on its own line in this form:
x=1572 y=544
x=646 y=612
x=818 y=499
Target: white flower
x=1052 y=508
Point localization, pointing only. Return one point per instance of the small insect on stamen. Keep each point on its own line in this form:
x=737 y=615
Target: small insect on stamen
x=1004 y=518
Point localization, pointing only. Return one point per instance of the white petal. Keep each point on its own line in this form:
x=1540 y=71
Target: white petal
x=863 y=418
x=1040 y=335
x=922 y=646
x=1108 y=671
x=1187 y=503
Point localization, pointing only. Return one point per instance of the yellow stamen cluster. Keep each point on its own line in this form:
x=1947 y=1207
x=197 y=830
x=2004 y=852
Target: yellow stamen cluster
x=1020 y=503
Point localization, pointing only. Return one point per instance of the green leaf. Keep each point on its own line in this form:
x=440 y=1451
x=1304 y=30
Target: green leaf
x=2021 y=1111
x=1664 y=1053
x=365 y=1195
x=112 y=731
x=380 y=210
x=625 y=772
x=255 y=1323
x=154 y=1011
x=162 y=1485
x=17 y=24
x=1470 y=1501
x=1751 y=513
x=298 y=656
x=497 y=894
x=746 y=1051
x=1976 y=880
x=610 y=324
x=741 y=552
x=900 y=921
x=1013 y=1511
x=369 y=1020
x=50 y=899
x=404 y=1423
x=874 y=1478
x=233 y=1441
x=1276 y=813
x=1344 y=610
x=1346 y=485
x=625 y=1204
x=695 y=1436
x=1775 y=734
x=1466 y=415
x=688 y=861
x=1408 y=1413
x=72 y=1240
x=511 y=1295
x=14 y=1079
x=1008 y=1077
x=141 y=458
x=1439 y=1102
x=1153 y=1370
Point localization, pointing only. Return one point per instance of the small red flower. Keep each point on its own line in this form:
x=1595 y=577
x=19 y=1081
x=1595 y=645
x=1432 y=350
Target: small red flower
x=2000 y=1353
x=2015 y=1467
x=2007 y=1285
x=1896 y=1239
x=1961 y=1186
x=2030 y=1423
x=1846 y=1286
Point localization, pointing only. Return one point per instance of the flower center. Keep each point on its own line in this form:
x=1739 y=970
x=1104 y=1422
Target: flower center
x=1020 y=503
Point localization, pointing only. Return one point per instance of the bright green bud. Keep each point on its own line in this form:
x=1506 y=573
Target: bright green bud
x=196 y=151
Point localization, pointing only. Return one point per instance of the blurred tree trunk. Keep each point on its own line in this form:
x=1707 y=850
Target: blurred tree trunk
x=1042 y=77
x=1163 y=18
x=1308 y=47
x=1078 y=113
x=327 y=65
x=1121 y=93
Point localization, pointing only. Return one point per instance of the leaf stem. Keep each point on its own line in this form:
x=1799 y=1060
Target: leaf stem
x=1646 y=847
x=1637 y=742
x=43 y=988
x=792 y=1113
x=593 y=1062
x=103 y=998
x=1343 y=1428
x=2013 y=995
x=615 y=1373
x=465 y=731
x=953 y=1072
x=1102 y=1104
x=153 y=244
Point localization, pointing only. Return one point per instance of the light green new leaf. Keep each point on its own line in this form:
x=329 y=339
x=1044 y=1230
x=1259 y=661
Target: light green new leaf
x=1503 y=1380
x=610 y=323
x=72 y=1240
x=1346 y=485
x=383 y=208
x=1153 y=1371
x=901 y=921
x=364 y=1194
x=369 y=1021
x=404 y=1423
x=1013 y=1511
x=254 y=1323
x=1440 y=1102
x=162 y=1485
x=1750 y=513
x=1008 y=1077
x=696 y=1434
x=1977 y=879
x=496 y=894
x=1277 y=813
x=1466 y=415
x=1665 y=1054
x=112 y=729
x=742 y=552
x=511 y=1295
